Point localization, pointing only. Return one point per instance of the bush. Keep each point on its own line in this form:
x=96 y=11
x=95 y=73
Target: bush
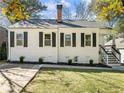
x=40 y=60
x=91 y=61
x=70 y=61
x=3 y=51
x=22 y=59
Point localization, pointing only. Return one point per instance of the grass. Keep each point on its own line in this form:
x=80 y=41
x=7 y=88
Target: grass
x=2 y=62
x=76 y=81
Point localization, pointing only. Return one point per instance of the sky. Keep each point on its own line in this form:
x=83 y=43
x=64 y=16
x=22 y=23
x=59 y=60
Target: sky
x=51 y=6
x=51 y=9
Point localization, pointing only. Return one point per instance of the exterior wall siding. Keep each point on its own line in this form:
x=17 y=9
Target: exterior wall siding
x=56 y=54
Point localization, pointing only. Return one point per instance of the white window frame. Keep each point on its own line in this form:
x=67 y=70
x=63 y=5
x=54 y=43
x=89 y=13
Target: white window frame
x=70 y=40
x=88 y=41
x=21 y=39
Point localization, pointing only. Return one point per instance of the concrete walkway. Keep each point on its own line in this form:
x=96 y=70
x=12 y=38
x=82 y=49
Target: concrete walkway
x=13 y=77
x=117 y=67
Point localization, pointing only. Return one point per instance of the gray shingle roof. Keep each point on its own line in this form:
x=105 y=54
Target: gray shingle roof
x=2 y=28
x=51 y=23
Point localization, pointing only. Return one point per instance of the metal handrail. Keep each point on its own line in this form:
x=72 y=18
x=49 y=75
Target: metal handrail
x=107 y=50
x=104 y=49
x=104 y=54
x=116 y=53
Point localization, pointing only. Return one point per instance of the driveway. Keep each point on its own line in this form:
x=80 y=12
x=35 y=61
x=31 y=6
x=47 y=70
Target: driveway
x=13 y=77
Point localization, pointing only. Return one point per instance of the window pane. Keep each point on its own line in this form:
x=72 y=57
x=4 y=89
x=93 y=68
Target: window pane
x=19 y=36
x=88 y=40
x=68 y=40
x=47 y=40
x=19 y=39
x=19 y=43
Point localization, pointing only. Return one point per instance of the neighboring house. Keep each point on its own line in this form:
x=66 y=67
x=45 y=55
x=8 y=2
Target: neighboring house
x=4 y=23
x=3 y=35
x=56 y=40
x=119 y=41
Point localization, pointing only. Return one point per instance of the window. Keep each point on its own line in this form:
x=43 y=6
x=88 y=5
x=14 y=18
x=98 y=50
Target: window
x=19 y=38
x=47 y=40
x=88 y=40
x=62 y=39
x=12 y=39
x=67 y=40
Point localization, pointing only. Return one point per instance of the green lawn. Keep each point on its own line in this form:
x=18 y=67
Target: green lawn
x=76 y=81
x=2 y=62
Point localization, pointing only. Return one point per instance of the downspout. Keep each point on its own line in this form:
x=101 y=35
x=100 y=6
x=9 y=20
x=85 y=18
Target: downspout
x=113 y=40
x=57 y=44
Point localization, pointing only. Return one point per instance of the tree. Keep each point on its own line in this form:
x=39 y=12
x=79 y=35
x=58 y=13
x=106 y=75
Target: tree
x=119 y=26
x=83 y=10
x=33 y=6
x=17 y=10
x=109 y=10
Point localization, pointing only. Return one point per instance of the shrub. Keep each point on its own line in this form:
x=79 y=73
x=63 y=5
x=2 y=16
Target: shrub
x=22 y=59
x=70 y=61
x=3 y=51
x=40 y=60
x=91 y=61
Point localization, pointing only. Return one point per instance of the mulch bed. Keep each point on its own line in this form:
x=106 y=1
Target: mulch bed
x=73 y=64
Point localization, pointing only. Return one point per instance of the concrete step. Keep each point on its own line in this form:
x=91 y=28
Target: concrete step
x=113 y=62
x=112 y=59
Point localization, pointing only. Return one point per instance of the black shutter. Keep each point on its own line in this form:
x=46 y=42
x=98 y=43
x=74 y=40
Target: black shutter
x=123 y=3
x=12 y=39
x=73 y=39
x=53 y=39
x=82 y=39
x=40 y=39
x=94 y=39
x=61 y=39
x=25 y=39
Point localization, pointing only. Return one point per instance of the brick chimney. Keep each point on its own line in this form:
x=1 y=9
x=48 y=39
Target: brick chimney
x=59 y=13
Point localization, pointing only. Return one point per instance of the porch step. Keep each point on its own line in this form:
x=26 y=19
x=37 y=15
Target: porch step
x=112 y=59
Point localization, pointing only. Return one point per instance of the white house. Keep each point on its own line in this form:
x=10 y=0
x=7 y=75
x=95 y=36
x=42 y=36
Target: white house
x=55 y=40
